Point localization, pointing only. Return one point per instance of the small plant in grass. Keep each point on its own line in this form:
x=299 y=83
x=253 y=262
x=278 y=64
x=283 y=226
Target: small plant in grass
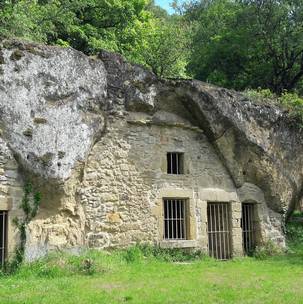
x=30 y=204
x=88 y=263
x=133 y=254
x=140 y=251
x=267 y=249
x=294 y=103
x=88 y=266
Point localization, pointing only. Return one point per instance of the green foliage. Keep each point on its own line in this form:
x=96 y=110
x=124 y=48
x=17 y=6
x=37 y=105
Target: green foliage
x=292 y=102
x=59 y=277
x=260 y=94
x=248 y=43
x=138 y=29
x=268 y=249
x=133 y=254
x=145 y=251
x=166 y=48
x=294 y=230
x=30 y=204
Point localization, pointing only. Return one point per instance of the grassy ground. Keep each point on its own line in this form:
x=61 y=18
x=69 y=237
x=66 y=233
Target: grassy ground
x=132 y=277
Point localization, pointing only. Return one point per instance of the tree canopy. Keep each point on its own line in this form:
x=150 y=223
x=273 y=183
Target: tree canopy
x=238 y=44
x=248 y=43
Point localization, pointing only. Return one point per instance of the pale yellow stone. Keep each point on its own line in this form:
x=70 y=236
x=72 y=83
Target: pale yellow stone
x=114 y=217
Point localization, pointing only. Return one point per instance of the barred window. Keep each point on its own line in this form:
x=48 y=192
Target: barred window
x=175 y=214
x=175 y=163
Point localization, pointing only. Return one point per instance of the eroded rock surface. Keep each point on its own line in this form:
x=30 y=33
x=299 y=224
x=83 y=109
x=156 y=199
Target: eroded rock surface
x=258 y=142
x=80 y=123
x=50 y=107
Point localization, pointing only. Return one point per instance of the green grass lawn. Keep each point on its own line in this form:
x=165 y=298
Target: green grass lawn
x=130 y=277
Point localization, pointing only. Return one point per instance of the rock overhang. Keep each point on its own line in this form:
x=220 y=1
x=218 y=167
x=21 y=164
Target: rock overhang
x=54 y=104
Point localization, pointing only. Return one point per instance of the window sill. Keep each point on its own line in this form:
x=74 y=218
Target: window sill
x=178 y=244
x=174 y=176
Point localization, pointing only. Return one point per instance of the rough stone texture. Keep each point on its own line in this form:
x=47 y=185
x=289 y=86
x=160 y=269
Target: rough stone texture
x=51 y=104
x=10 y=190
x=93 y=135
x=125 y=179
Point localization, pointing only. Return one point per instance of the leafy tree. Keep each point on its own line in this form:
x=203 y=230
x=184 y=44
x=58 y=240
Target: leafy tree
x=278 y=26
x=84 y=25
x=248 y=43
x=219 y=51
x=141 y=31
x=166 y=48
x=157 y=11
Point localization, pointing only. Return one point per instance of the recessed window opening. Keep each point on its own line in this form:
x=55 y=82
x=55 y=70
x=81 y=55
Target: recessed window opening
x=175 y=163
x=175 y=214
x=3 y=237
x=248 y=228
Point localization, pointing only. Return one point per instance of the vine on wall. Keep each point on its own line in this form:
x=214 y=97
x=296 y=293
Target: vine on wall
x=30 y=204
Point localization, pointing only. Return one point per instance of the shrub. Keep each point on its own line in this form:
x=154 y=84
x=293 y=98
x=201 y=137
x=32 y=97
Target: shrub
x=294 y=103
x=260 y=94
x=294 y=232
x=290 y=101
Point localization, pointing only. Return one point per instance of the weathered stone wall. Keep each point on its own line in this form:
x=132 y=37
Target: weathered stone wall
x=60 y=223
x=11 y=192
x=125 y=181
x=126 y=178
x=93 y=135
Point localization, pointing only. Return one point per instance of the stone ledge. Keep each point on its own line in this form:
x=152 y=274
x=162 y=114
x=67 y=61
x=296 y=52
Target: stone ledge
x=217 y=195
x=148 y=122
x=5 y=203
x=178 y=244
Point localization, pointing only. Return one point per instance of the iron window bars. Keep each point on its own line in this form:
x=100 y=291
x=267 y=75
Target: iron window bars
x=175 y=219
x=175 y=162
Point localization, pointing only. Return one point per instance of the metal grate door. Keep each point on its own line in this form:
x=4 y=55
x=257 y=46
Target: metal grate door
x=218 y=230
x=3 y=236
x=248 y=228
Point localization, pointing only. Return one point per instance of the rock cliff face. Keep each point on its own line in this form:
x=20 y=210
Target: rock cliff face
x=59 y=115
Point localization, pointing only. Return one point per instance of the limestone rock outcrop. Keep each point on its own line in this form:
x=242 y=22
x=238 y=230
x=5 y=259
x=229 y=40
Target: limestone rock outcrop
x=259 y=143
x=56 y=104
x=51 y=102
